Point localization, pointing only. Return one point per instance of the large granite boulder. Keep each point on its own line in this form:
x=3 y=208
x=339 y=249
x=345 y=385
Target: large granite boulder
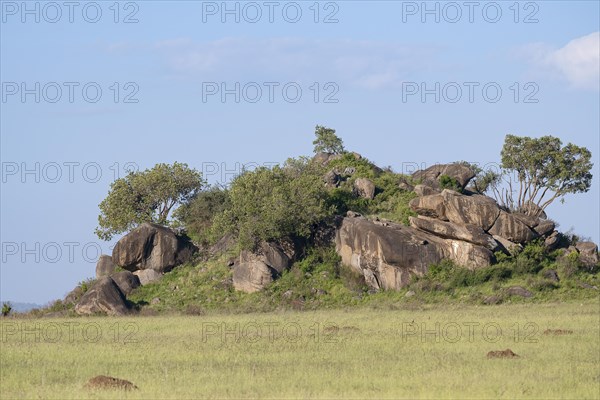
x=475 y=209
x=430 y=176
x=365 y=188
x=152 y=246
x=387 y=255
x=512 y=228
x=544 y=227
x=429 y=206
x=104 y=297
x=588 y=253
x=255 y=270
x=424 y=190
x=126 y=281
x=104 y=266
x=468 y=233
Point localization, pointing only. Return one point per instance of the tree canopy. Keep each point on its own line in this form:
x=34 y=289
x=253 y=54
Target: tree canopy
x=146 y=196
x=545 y=170
x=273 y=203
x=327 y=141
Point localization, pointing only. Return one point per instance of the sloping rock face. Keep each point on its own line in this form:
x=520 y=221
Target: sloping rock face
x=126 y=281
x=152 y=246
x=478 y=211
x=468 y=233
x=389 y=254
x=430 y=176
x=512 y=228
x=104 y=266
x=254 y=271
x=104 y=297
x=475 y=210
x=464 y=228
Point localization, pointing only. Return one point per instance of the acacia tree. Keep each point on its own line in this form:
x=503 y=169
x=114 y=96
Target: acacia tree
x=147 y=196
x=327 y=141
x=545 y=170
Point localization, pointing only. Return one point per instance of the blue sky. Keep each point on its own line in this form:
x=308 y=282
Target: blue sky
x=526 y=68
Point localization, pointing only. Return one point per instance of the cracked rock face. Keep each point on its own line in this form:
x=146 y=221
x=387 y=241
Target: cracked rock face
x=152 y=246
x=254 y=271
x=104 y=297
x=388 y=255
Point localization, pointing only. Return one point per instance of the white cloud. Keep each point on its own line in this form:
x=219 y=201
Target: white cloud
x=366 y=64
x=578 y=61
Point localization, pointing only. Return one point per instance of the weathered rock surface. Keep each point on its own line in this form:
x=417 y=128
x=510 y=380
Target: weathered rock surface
x=475 y=209
x=104 y=297
x=555 y=241
x=388 y=255
x=365 y=188
x=429 y=206
x=147 y=276
x=325 y=158
x=588 y=253
x=507 y=246
x=255 y=271
x=449 y=230
x=104 y=266
x=544 y=227
x=126 y=281
x=152 y=246
x=74 y=295
x=424 y=190
x=512 y=228
x=431 y=175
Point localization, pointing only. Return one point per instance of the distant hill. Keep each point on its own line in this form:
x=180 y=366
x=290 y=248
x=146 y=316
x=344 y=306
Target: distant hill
x=22 y=307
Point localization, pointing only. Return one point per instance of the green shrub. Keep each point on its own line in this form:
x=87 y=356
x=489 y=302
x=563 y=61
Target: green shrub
x=6 y=309
x=273 y=204
x=197 y=215
x=448 y=182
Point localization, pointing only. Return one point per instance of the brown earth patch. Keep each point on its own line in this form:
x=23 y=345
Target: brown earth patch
x=558 y=332
x=508 y=353
x=107 y=382
x=333 y=329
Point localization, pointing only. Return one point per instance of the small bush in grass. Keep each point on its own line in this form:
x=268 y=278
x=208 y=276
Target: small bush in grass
x=6 y=309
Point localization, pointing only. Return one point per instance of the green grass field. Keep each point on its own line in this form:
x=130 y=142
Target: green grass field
x=424 y=351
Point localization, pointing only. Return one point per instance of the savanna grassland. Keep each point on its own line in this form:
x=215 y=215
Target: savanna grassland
x=415 y=351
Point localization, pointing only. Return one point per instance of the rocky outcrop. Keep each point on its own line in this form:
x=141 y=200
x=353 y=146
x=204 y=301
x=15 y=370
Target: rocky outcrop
x=475 y=209
x=126 y=281
x=152 y=246
x=104 y=266
x=424 y=190
x=512 y=228
x=325 y=158
x=588 y=253
x=544 y=227
x=468 y=233
x=430 y=206
x=254 y=271
x=332 y=179
x=430 y=176
x=387 y=255
x=104 y=297
x=365 y=188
